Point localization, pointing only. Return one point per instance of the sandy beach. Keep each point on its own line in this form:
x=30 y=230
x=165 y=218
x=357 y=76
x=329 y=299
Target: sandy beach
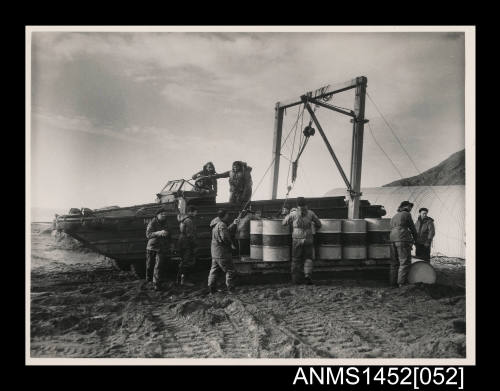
x=81 y=306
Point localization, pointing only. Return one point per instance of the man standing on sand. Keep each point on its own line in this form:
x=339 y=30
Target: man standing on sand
x=403 y=234
x=187 y=245
x=222 y=260
x=158 y=247
x=425 y=234
x=302 y=220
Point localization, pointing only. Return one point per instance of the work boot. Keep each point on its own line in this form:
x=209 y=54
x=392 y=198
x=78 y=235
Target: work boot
x=212 y=289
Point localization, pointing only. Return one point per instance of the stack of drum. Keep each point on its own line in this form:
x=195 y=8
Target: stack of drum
x=329 y=240
x=256 y=239
x=379 y=245
x=276 y=241
x=354 y=239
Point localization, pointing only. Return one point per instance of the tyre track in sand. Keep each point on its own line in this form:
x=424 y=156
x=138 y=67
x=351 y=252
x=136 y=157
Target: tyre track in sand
x=201 y=334
x=183 y=339
x=330 y=326
x=288 y=342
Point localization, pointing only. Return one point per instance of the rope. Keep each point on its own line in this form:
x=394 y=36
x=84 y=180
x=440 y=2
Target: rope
x=387 y=156
x=260 y=182
x=294 y=125
x=274 y=158
x=293 y=149
x=407 y=154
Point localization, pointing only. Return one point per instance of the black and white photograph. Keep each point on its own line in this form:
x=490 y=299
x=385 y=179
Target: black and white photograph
x=250 y=195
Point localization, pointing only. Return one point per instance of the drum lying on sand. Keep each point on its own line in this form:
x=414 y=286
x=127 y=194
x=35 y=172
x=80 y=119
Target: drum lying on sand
x=379 y=245
x=354 y=239
x=276 y=241
x=329 y=240
x=421 y=272
x=256 y=239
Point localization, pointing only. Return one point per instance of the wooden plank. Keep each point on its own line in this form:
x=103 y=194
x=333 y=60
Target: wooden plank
x=278 y=130
x=244 y=269
x=330 y=107
x=357 y=148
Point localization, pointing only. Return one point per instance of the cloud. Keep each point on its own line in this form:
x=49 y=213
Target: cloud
x=213 y=94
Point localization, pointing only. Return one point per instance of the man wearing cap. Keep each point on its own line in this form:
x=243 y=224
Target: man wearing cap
x=158 y=247
x=425 y=234
x=222 y=260
x=403 y=234
x=302 y=220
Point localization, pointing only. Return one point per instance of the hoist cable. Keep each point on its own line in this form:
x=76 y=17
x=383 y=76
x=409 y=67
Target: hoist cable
x=407 y=154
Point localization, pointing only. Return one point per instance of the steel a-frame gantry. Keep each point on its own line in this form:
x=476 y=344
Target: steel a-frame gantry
x=357 y=115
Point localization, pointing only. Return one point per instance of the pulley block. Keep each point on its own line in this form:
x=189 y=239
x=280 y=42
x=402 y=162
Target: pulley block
x=309 y=131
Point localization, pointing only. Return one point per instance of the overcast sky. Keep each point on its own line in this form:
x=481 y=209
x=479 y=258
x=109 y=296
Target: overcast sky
x=116 y=115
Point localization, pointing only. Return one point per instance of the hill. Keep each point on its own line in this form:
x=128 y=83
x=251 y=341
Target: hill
x=449 y=172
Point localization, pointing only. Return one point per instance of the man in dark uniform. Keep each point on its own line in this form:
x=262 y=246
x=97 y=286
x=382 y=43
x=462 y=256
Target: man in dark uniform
x=205 y=180
x=187 y=245
x=158 y=247
x=222 y=260
x=402 y=236
x=425 y=234
x=302 y=220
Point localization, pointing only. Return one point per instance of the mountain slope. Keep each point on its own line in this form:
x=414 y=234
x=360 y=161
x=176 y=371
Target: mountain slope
x=449 y=172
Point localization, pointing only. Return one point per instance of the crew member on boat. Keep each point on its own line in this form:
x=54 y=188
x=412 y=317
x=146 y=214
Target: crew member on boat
x=205 y=180
x=158 y=247
x=302 y=220
x=240 y=182
x=187 y=245
x=242 y=234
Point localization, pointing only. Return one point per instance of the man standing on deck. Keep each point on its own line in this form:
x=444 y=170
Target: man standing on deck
x=158 y=247
x=187 y=245
x=425 y=234
x=403 y=235
x=222 y=259
x=240 y=182
x=302 y=220
x=205 y=179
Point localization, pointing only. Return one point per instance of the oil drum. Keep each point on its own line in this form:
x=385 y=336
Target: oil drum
x=256 y=239
x=354 y=239
x=379 y=245
x=328 y=240
x=421 y=272
x=276 y=241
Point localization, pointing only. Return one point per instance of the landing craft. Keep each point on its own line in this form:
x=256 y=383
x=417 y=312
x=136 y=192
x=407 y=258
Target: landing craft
x=119 y=232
